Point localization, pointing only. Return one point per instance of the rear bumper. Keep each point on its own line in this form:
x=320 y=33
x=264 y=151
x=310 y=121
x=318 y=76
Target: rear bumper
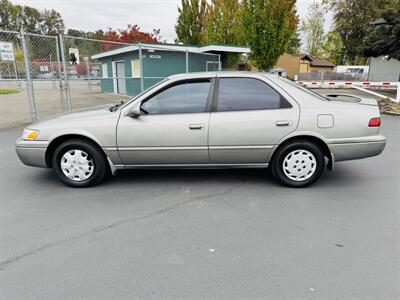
x=32 y=153
x=357 y=148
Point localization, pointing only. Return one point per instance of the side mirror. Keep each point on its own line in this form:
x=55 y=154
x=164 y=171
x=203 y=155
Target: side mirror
x=135 y=111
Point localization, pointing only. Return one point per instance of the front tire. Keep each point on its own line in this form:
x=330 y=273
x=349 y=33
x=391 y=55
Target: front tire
x=78 y=163
x=298 y=164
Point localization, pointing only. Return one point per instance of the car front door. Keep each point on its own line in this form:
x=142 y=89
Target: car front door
x=172 y=128
x=248 y=118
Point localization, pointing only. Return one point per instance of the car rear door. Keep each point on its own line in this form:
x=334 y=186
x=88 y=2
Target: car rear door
x=249 y=116
x=173 y=128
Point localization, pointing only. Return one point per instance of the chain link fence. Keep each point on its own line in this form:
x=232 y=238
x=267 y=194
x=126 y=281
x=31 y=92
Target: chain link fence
x=41 y=76
x=13 y=91
x=83 y=73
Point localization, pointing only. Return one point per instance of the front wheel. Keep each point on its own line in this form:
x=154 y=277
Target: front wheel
x=79 y=163
x=298 y=164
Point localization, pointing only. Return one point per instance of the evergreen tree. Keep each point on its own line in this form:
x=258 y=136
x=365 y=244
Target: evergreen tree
x=313 y=28
x=191 y=21
x=294 y=43
x=268 y=26
x=351 y=22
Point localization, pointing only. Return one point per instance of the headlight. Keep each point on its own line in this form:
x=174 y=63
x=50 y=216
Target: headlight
x=30 y=134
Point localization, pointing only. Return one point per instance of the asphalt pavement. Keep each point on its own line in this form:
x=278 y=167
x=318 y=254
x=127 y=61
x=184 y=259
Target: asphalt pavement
x=202 y=234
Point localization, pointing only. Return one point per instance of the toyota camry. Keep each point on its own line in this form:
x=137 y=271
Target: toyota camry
x=208 y=120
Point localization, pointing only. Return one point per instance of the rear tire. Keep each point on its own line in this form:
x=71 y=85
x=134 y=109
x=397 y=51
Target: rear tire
x=78 y=163
x=298 y=164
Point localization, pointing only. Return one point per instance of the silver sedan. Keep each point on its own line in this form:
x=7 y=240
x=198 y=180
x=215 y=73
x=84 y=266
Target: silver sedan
x=208 y=120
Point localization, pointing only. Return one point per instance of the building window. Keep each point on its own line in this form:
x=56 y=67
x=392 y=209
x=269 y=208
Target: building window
x=135 y=64
x=104 y=69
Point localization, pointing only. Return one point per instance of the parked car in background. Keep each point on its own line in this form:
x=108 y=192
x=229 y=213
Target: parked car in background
x=208 y=120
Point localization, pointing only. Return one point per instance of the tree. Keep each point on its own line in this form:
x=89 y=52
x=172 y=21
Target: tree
x=333 y=48
x=51 y=23
x=191 y=21
x=29 y=19
x=385 y=38
x=294 y=43
x=133 y=34
x=313 y=28
x=351 y=19
x=224 y=26
x=268 y=26
x=5 y=14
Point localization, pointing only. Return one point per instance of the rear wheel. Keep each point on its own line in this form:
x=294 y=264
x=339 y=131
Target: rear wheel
x=298 y=164
x=79 y=163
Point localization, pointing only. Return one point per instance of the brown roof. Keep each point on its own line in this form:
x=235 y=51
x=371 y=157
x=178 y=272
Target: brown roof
x=317 y=61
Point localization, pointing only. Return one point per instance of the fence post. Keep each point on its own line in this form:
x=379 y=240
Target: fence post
x=219 y=62
x=398 y=93
x=187 y=61
x=62 y=98
x=141 y=68
x=16 y=75
x=52 y=70
x=29 y=84
x=88 y=74
x=66 y=83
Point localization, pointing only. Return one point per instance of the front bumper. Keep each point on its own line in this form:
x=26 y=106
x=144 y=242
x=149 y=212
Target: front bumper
x=357 y=148
x=32 y=153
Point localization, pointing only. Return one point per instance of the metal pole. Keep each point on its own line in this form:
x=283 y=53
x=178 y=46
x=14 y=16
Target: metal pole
x=398 y=93
x=52 y=72
x=88 y=75
x=16 y=74
x=29 y=84
x=66 y=83
x=219 y=62
x=62 y=98
x=141 y=68
x=187 y=61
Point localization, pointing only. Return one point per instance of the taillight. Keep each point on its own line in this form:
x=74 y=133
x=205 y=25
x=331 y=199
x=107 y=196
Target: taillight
x=374 y=122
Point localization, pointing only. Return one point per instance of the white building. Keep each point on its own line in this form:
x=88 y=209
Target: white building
x=382 y=69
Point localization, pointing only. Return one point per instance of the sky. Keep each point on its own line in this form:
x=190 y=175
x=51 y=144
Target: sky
x=90 y=15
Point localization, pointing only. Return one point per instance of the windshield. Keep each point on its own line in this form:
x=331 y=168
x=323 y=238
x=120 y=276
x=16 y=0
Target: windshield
x=304 y=89
x=140 y=94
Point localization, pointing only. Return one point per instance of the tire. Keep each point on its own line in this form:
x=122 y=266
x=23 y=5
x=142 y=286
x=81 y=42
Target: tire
x=79 y=163
x=298 y=164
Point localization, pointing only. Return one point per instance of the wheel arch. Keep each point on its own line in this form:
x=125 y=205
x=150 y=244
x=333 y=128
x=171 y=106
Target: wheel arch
x=65 y=137
x=312 y=138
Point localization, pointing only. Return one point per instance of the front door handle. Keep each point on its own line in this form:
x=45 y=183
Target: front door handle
x=282 y=123
x=196 y=126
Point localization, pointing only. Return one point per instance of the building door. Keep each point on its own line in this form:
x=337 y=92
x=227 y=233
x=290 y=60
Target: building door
x=121 y=80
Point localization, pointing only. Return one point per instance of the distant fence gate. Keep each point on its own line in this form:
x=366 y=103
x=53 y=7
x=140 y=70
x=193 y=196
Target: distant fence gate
x=42 y=75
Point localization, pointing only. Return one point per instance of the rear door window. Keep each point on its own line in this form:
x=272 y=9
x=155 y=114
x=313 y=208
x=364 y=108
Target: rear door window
x=235 y=94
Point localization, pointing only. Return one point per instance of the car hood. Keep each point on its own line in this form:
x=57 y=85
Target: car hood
x=82 y=114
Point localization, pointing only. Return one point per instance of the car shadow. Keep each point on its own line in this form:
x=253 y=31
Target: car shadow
x=343 y=175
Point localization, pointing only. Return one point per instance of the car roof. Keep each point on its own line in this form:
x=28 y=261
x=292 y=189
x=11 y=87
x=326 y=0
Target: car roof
x=195 y=75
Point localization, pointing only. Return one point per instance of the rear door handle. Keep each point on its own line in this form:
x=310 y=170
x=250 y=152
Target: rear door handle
x=196 y=126
x=282 y=123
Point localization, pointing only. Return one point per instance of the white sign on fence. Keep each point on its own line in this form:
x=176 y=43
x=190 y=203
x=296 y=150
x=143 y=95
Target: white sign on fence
x=6 y=51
